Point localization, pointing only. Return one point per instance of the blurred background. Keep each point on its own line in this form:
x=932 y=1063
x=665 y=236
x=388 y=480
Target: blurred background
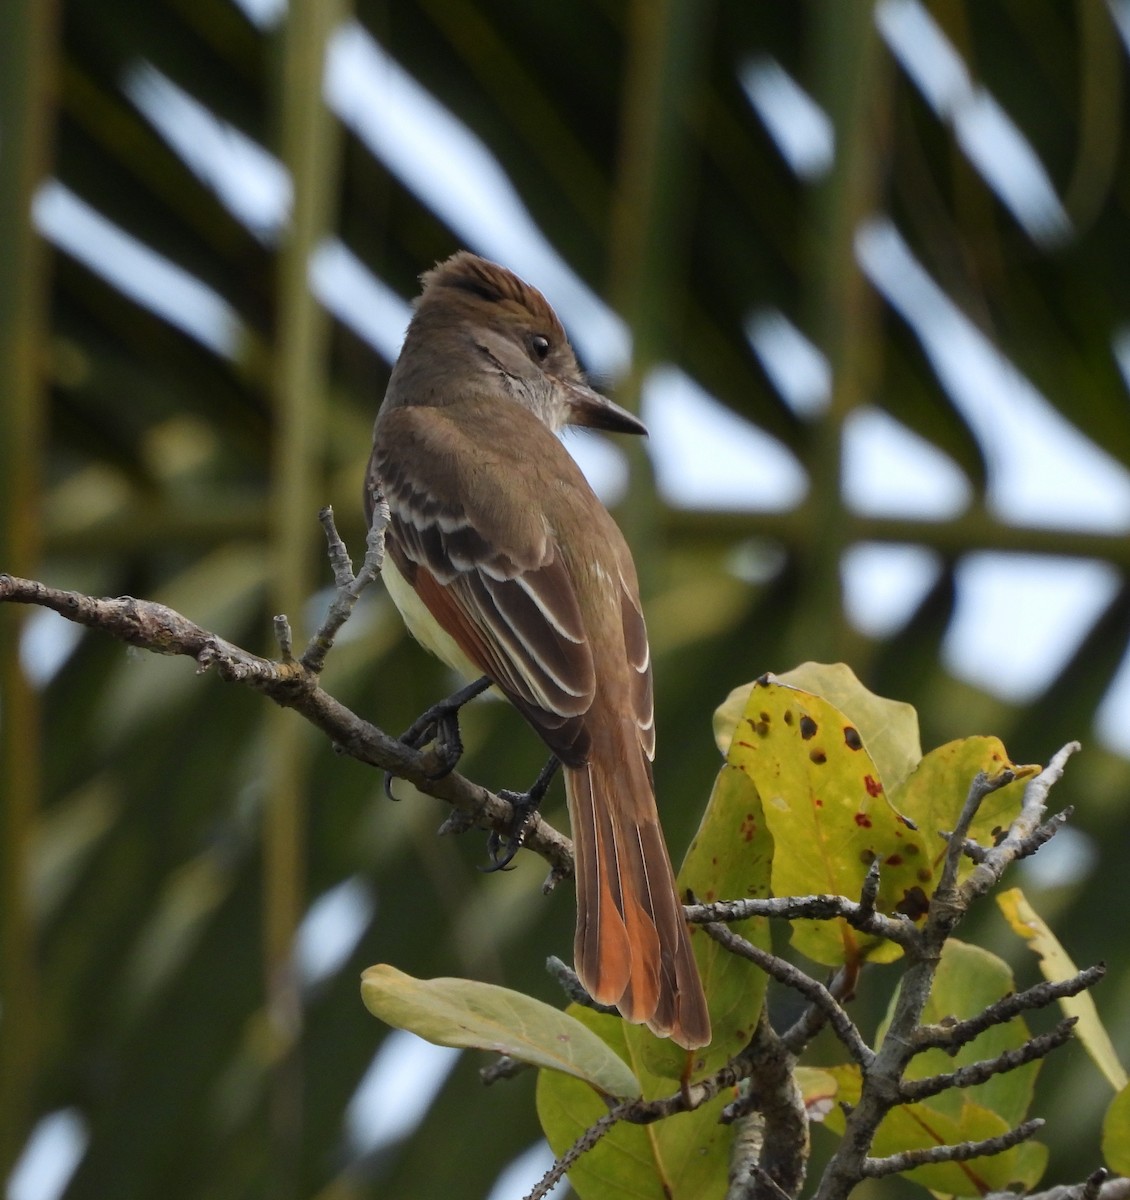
x=865 y=271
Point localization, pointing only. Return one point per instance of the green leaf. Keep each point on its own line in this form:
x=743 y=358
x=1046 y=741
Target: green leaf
x=1116 y=1133
x=917 y=1126
x=968 y=980
x=1056 y=965
x=684 y=1157
x=923 y=1126
x=827 y=809
x=729 y=858
x=465 y=1013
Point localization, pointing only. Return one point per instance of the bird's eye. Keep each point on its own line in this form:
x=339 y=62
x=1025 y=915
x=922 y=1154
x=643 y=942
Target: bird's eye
x=539 y=344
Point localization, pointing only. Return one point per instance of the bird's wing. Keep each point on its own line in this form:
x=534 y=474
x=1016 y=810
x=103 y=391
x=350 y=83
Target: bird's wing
x=639 y=656
x=493 y=577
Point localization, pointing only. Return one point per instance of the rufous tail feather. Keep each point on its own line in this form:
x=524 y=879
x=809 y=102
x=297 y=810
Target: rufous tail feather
x=632 y=947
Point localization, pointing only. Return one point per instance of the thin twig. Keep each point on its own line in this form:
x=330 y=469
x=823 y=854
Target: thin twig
x=348 y=587
x=875 y=1168
x=162 y=630
x=978 y=1072
x=817 y=908
x=808 y=987
x=1097 y=1186
x=953 y=1036
x=582 y=1145
x=983 y=785
x=814 y=1018
x=1026 y=833
x=570 y=983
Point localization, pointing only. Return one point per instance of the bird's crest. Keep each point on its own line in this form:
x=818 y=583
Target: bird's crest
x=469 y=273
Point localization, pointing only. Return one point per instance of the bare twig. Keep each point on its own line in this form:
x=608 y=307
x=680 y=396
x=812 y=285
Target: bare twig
x=983 y=785
x=1026 y=833
x=284 y=637
x=814 y=1018
x=293 y=683
x=571 y=985
x=348 y=586
x=978 y=1072
x=808 y=987
x=874 y=1168
x=582 y=1145
x=1098 y=1186
x=817 y=908
x=952 y=1037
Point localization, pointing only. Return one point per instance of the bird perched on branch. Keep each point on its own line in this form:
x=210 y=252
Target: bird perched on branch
x=505 y=564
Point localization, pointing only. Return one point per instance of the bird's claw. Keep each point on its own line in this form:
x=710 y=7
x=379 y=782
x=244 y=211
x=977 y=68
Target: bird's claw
x=502 y=847
x=439 y=725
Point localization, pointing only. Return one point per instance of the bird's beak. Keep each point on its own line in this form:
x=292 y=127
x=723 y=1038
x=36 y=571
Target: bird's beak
x=590 y=408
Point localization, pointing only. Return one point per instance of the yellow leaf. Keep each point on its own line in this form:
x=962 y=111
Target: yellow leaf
x=1056 y=965
x=826 y=806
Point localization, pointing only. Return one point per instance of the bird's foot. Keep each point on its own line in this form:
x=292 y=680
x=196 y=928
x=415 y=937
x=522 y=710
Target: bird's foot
x=440 y=725
x=501 y=847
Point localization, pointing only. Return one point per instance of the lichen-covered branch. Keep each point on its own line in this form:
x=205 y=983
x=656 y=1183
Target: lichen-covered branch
x=811 y=989
x=978 y=1072
x=883 y=1084
x=897 y=929
x=876 y=1168
x=294 y=683
x=952 y=1037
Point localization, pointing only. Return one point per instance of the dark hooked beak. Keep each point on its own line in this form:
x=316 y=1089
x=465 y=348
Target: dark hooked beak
x=595 y=411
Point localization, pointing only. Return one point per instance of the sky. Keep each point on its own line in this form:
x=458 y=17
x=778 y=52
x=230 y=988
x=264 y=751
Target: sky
x=1018 y=618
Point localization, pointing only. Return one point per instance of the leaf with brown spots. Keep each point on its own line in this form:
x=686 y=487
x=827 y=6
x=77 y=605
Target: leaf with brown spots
x=932 y=797
x=888 y=727
x=829 y=814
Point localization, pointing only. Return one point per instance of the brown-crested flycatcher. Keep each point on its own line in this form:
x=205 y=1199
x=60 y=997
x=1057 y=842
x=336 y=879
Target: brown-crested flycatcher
x=504 y=563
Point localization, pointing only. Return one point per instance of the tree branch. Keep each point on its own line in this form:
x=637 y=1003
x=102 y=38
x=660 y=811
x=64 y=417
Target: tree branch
x=769 y=1155
x=875 y=1168
x=953 y=1037
x=883 y=1084
x=1027 y=833
x=978 y=1072
x=811 y=989
x=293 y=683
x=817 y=908
x=1099 y=1186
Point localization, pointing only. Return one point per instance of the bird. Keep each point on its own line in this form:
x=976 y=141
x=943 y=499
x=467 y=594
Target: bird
x=504 y=563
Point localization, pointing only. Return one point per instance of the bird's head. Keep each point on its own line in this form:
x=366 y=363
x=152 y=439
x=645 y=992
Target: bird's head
x=508 y=329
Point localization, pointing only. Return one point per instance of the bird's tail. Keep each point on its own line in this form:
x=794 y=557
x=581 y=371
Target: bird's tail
x=632 y=946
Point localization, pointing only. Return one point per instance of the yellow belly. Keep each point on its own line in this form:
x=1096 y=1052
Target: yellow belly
x=423 y=626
